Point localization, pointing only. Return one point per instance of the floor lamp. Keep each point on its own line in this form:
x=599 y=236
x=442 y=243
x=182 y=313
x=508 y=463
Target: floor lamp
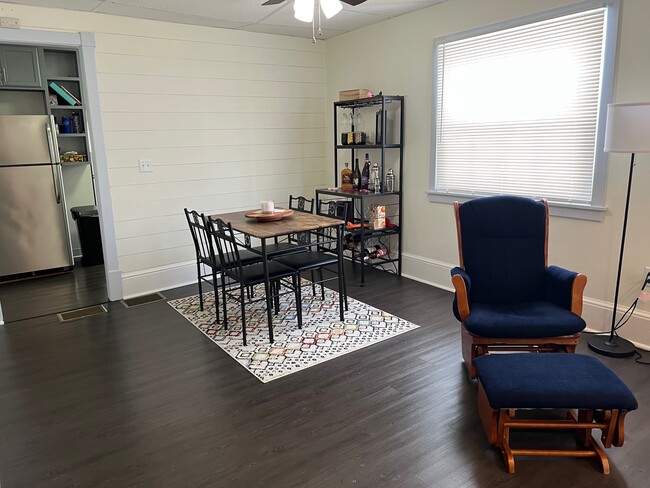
x=627 y=131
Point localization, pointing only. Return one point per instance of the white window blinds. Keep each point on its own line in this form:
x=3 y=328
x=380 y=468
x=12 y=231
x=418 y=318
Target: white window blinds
x=517 y=109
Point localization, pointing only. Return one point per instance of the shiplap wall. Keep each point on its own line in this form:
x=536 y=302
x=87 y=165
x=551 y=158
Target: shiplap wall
x=228 y=118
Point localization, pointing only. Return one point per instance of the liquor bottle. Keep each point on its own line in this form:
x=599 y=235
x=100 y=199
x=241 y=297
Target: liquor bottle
x=378 y=252
x=346 y=178
x=365 y=174
x=375 y=183
x=356 y=176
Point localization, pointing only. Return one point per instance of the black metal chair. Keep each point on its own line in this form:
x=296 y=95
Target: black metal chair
x=247 y=276
x=204 y=258
x=208 y=265
x=328 y=246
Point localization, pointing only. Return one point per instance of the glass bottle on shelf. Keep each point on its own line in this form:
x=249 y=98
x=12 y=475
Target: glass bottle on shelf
x=375 y=183
x=356 y=176
x=365 y=174
x=346 y=178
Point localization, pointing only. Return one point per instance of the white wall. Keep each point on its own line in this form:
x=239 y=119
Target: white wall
x=227 y=117
x=396 y=57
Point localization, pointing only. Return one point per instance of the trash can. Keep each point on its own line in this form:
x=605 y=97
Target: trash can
x=90 y=237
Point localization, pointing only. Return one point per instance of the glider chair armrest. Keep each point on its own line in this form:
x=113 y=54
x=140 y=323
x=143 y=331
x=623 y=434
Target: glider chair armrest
x=565 y=288
x=462 y=285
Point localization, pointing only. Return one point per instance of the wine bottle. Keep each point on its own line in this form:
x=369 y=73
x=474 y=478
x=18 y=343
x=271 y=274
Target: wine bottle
x=356 y=176
x=346 y=178
x=365 y=174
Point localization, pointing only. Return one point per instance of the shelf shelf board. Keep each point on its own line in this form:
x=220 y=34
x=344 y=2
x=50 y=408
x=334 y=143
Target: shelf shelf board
x=354 y=193
x=365 y=102
x=78 y=163
x=63 y=78
x=76 y=134
x=368 y=146
x=66 y=107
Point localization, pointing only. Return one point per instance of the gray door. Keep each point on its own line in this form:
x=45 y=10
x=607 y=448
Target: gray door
x=33 y=232
x=19 y=66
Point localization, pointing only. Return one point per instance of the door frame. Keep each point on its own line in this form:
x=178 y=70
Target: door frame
x=85 y=43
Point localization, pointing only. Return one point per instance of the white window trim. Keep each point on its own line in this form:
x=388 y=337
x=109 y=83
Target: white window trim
x=597 y=208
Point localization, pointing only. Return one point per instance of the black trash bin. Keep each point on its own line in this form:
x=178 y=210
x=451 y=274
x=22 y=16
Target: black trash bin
x=90 y=237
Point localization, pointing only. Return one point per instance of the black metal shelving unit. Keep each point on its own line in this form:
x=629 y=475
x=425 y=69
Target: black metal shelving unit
x=388 y=138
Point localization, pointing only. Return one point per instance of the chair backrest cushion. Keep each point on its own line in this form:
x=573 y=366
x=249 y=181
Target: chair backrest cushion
x=503 y=246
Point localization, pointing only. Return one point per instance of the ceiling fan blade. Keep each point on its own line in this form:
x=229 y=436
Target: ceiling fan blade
x=354 y=3
x=274 y=2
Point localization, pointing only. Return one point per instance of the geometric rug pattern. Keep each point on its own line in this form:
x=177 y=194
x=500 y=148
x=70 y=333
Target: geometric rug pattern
x=323 y=336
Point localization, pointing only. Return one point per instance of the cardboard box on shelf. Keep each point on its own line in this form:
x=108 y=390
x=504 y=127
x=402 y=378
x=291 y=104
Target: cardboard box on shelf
x=377 y=217
x=355 y=94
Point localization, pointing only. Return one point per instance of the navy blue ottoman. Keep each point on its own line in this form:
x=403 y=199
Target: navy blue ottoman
x=573 y=382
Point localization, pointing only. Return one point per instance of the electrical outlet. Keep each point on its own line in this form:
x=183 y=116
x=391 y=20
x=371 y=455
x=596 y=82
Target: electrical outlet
x=145 y=165
x=9 y=22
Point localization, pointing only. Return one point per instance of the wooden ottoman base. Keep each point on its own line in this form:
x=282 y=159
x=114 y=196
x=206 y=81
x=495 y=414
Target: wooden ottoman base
x=516 y=391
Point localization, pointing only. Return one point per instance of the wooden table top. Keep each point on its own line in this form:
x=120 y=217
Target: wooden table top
x=293 y=224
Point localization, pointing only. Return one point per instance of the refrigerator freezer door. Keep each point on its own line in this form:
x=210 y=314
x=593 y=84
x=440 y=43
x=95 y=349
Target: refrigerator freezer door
x=33 y=231
x=23 y=140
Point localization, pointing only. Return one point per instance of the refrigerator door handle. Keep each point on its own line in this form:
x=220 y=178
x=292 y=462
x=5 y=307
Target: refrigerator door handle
x=54 y=153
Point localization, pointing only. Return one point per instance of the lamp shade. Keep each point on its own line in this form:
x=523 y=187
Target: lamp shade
x=628 y=128
x=303 y=10
x=330 y=7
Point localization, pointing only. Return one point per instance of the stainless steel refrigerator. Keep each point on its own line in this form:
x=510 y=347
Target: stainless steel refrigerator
x=34 y=232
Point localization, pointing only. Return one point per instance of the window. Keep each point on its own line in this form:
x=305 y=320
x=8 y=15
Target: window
x=518 y=110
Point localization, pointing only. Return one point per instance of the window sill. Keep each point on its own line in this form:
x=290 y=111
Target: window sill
x=567 y=210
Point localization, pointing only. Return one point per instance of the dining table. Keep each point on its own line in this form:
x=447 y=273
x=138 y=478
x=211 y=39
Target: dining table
x=262 y=229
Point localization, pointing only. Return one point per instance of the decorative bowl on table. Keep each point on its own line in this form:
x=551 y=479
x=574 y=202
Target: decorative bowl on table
x=277 y=214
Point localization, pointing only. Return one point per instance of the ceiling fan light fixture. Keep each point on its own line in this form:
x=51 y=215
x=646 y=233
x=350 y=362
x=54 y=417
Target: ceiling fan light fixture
x=303 y=10
x=330 y=7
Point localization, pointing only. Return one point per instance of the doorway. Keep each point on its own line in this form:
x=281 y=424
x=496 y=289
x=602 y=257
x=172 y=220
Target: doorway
x=85 y=285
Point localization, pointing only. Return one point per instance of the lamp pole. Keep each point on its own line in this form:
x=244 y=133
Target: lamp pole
x=613 y=345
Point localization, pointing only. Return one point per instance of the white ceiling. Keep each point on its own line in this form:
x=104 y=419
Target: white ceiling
x=248 y=15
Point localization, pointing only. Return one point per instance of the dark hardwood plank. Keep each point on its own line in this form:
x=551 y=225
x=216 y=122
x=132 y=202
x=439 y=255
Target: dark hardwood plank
x=140 y=398
x=50 y=294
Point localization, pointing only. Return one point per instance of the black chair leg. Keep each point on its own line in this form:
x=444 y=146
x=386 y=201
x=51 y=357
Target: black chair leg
x=320 y=278
x=198 y=273
x=215 y=288
x=296 y=286
x=223 y=301
x=276 y=296
x=242 y=303
x=313 y=283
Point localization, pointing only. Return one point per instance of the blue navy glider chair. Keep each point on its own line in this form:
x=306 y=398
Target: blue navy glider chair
x=507 y=296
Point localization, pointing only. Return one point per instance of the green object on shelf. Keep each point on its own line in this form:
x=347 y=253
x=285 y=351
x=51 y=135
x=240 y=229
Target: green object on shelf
x=63 y=93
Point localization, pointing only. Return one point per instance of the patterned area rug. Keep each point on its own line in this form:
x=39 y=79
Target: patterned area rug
x=323 y=336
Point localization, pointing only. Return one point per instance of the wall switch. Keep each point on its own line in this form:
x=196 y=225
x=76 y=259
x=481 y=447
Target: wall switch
x=145 y=165
x=9 y=22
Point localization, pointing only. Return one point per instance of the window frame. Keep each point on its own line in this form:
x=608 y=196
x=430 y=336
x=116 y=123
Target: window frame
x=597 y=208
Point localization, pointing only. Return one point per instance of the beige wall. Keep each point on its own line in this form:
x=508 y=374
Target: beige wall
x=396 y=57
x=227 y=117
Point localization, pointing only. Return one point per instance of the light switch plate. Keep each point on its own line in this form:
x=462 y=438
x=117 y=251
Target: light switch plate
x=145 y=165
x=9 y=22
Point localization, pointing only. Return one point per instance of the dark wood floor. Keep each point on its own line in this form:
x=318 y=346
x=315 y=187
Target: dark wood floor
x=140 y=398
x=55 y=293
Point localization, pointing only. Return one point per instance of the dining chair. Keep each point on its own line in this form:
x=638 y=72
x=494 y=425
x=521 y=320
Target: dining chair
x=206 y=266
x=250 y=275
x=325 y=256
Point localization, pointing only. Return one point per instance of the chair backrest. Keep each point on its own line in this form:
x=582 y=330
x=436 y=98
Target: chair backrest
x=503 y=247
x=202 y=245
x=337 y=209
x=301 y=204
x=226 y=244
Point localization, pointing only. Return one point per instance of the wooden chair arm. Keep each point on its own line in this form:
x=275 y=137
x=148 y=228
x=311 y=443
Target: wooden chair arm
x=462 y=300
x=577 y=291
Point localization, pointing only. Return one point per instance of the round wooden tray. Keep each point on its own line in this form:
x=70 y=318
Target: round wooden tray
x=278 y=214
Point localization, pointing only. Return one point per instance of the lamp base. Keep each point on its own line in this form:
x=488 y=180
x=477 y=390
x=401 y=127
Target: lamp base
x=616 y=348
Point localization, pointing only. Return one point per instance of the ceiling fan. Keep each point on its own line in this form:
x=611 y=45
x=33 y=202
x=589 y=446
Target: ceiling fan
x=354 y=3
x=304 y=10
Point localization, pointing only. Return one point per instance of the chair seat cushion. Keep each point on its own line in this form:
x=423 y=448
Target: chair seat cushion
x=277 y=249
x=308 y=260
x=551 y=380
x=522 y=320
x=254 y=274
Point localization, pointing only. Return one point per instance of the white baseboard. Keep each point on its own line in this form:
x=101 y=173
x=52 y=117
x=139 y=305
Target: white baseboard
x=153 y=280
x=597 y=313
